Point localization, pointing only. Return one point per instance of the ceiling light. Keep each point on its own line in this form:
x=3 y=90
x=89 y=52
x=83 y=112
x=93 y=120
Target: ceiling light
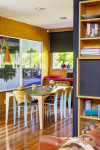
x=39 y=8
x=7 y=58
x=63 y=18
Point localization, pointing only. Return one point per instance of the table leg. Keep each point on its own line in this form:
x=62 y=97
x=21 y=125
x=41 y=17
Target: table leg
x=41 y=111
x=7 y=107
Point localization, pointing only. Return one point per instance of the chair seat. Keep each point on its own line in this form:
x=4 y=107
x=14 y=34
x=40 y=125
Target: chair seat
x=31 y=100
x=34 y=101
x=28 y=104
x=29 y=97
x=49 y=102
x=50 y=97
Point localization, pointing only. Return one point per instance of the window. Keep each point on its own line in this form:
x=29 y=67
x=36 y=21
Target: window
x=20 y=63
x=62 y=58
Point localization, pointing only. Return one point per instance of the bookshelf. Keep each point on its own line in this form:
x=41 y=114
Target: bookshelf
x=88 y=74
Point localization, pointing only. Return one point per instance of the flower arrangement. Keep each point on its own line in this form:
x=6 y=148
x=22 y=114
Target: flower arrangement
x=52 y=83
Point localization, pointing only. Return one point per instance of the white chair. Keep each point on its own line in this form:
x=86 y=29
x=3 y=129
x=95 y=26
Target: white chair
x=67 y=98
x=53 y=101
x=23 y=98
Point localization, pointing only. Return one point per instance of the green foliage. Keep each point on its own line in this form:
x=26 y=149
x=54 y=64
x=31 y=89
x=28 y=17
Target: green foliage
x=31 y=51
x=63 y=57
x=31 y=57
x=8 y=72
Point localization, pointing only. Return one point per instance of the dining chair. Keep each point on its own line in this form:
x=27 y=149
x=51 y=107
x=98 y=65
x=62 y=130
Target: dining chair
x=34 y=85
x=20 y=88
x=58 y=97
x=22 y=97
x=67 y=98
x=33 y=99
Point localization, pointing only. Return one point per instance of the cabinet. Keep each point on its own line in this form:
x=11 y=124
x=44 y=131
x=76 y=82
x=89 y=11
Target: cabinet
x=88 y=66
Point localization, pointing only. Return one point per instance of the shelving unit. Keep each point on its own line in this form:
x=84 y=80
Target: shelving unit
x=88 y=72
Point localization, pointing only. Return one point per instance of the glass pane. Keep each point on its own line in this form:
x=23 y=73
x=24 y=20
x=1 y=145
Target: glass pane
x=31 y=62
x=63 y=58
x=9 y=70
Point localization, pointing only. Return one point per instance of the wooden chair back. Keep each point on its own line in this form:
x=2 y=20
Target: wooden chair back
x=34 y=85
x=20 y=96
x=21 y=88
x=67 y=90
x=59 y=92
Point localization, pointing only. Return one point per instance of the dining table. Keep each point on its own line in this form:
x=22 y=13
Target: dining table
x=40 y=93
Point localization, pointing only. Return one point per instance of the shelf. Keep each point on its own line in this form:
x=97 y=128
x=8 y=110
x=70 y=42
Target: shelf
x=90 y=3
x=90 y=117
x=89 y=57
x=89 y=97
x=94 y=20
x=91 y=38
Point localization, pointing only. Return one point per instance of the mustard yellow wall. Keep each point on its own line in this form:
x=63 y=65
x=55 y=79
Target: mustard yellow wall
x=17 y=29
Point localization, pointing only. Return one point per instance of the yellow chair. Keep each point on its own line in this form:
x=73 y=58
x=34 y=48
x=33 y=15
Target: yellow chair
x=21 y=88
x=31 y=99
x=22 y=97
x=34 y=85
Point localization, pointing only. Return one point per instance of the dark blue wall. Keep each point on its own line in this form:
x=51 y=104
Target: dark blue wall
x=75 y=47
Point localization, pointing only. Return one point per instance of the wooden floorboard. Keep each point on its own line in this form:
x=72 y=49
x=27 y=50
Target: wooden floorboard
x=19 y=138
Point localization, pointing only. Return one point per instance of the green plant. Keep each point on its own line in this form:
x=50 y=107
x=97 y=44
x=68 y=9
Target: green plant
x=8 y=72
x=64 y=58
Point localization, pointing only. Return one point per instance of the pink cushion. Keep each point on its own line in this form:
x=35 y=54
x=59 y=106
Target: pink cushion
x=57 y=78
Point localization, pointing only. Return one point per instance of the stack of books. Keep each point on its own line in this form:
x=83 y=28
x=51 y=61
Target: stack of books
x=90 y=51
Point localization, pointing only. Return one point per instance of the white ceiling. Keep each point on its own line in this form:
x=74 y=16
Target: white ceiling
x=24 y=11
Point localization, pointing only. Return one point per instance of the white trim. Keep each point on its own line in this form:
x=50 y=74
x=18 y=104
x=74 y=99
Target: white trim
x=21 y=72
x=53 y=60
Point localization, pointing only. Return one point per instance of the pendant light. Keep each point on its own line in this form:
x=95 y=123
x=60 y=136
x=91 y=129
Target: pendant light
x=7 y=58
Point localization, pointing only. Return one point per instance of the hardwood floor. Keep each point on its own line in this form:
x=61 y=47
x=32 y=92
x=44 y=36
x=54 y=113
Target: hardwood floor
x=19 y=138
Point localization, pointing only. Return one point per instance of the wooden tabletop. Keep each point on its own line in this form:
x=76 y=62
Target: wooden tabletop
x=43 y=90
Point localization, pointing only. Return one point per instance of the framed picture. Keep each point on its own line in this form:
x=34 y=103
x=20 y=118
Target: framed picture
x=92 y=30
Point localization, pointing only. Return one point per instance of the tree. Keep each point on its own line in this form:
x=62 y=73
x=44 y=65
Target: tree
x=64 y=57
x=31 y=51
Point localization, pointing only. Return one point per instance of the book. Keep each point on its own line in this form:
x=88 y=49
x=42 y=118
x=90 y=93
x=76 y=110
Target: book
x=90 y=51
x=91 y=47
x=99 y=111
